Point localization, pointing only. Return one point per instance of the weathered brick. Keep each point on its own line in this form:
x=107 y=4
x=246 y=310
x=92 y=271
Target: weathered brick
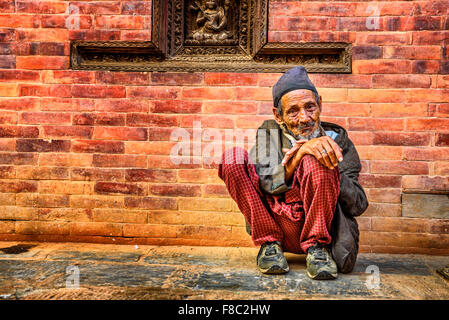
x=41 y=145
x=401 y=138
x=150 y=147
x=74 y=132
x=383 y=210
x=375 y=124
x=122 y=105
x=151 y=203
x=98 y=146
x=150 y=175
x=182 y=190
x=116 y=187
x=62 y=104
x=42 y=62
x=19 y=158
x=96 y=229
x=119 y=161
x=41 y=173
x=120 y=133
x=426 y=153
x=123 y=78
x=442 y=140
x=175 y=106
x=425 y=183
x=380 y=181
x=149 y=120
x=98 y=91
x=152 y=92
x=149 y=230
x=399 y=167
x=96 y=174
x=65 y=214
x=120 y=215
x=65 y=187
x=41 y=227
x=96 y=201
x=18 y=132
x=65 y=160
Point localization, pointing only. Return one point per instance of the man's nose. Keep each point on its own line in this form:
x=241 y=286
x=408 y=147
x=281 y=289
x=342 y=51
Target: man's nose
x=302 y=116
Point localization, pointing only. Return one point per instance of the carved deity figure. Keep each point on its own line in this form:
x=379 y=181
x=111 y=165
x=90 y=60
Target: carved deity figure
x=211 y=21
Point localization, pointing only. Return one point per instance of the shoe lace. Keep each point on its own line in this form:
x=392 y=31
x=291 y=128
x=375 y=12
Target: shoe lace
x=319 y=252
x=271 y=249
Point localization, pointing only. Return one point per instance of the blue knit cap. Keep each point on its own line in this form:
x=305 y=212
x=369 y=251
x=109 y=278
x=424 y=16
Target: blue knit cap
x=294 y=79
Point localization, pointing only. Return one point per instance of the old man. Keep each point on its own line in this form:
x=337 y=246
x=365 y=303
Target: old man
x=298 y=188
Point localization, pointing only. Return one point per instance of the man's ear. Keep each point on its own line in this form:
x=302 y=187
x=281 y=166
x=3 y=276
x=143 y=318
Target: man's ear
x=277 y=116
x=320 y=103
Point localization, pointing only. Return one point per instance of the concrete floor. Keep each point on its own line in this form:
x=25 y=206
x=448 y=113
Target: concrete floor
x=45 y=271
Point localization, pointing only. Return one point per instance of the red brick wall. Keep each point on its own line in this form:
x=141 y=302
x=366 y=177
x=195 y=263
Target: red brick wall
x=84 y=155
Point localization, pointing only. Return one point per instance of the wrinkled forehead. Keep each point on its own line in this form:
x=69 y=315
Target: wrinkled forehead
x=299 y=96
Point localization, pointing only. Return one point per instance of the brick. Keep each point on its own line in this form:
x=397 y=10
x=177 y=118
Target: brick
x=204 y=232
x=18 y=186
x=401 y=138
x=19 y=158
x=41 y=227
x=380 y=181
x=398 y=110
x=399 y=167
x=44 y=118
x=175 y=106
x=149 y=120
x=441 y=168
x=383 y=195
x=7 y=172
x=173 y=162
x=377 y=66
x=98 y=146
x=229 y=107
x=65 y=187
x=361 y=138
x=94 y=35
x=99 y=119
x=97 y=7
x=150 y=175
x=68 y=77
x=65 y=160
x=362 y=52
x=42 y=173
x=215 y=191
x=62 y=91
x=96 y=174
x=19 y=103
x=65 y=214
x=119 y=161
x=383 y=210
x=61 y=104
x=65 y=21
x=7 y=62
x=426 y=153
x=214 y=93
x=17 y=213
x=175 y=190
x=377 y=95
x=412 y=23
x=96 y=229
x=151 y=147
x=205 y=204
x=41 y=145
x=383 y=38
x=207 y=121
x=7 y=35
x=137 y=35
x=196 y=218
x=377 y=124
x=176 y=78
x=153 y=92
x=8 y=117
x=136 y=7
x=7 y=6
x=116 y=187
x=442 y=140
x=412 y=52
x=426 y=66
x=7 y=227
x=18 y=132
x=394 y=224
x=7 y=199
x=401 y=81
x=44 y=48
x=9 y=90
x=429 y=37
x=149 y=231
x=74 y=132
x=120 y=133
x=120 y=216
x=96 y=201
x=98 y=91
x=151 y=203
x=427 y=124
x=48 y=7
x=122 y=105
x=425 y=183
x=42 y=62
x=119 y=22
x=406 y=239
x=19 y=75
x=346 y=109
x=123 y=78
x=234 y=79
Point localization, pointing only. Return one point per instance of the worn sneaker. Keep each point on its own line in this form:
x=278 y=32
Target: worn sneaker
x=271 y=260
x=320 y=265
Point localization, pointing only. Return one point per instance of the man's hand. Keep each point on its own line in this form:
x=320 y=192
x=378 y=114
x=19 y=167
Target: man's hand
x=324 y=149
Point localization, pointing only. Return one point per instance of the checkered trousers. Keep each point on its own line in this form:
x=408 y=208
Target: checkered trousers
x=297 y=218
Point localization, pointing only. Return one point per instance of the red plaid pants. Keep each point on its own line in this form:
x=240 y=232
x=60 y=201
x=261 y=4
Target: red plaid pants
x=298 y=218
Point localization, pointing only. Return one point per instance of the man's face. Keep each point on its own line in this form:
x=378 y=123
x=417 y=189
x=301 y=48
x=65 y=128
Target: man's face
x=300 y=112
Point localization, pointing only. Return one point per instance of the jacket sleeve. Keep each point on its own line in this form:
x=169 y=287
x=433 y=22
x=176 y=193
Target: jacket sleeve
x=352 y=197
x=267 y=159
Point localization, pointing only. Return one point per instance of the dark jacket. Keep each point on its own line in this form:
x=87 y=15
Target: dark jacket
x=351 y=201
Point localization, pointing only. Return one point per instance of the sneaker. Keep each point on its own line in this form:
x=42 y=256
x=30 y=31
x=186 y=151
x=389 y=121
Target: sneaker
x=320 y=265
x=270 y=258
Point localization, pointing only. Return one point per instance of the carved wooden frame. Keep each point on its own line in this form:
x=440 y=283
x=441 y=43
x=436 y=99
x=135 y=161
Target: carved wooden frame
x=167 y=51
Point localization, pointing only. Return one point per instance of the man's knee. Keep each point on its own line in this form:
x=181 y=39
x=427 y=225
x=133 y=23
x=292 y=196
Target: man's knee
x=233 y=162
x=310 y=166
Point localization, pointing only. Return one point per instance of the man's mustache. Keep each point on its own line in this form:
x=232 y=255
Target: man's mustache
x=306 y=125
